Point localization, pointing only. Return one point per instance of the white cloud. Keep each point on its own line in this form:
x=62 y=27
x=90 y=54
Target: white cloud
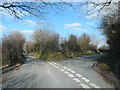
x=2 y=27
x=30 y=22
x=26 y=31
x=89 y=23
x=23 y=31
x=78 y=29
x=72 y=25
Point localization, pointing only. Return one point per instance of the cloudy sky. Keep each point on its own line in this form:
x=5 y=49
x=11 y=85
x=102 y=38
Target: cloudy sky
x=68 y=22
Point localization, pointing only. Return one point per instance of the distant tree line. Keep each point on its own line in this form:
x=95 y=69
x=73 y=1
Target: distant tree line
x=46 y=41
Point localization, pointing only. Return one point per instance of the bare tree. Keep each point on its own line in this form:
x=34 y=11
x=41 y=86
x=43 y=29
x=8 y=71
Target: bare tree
x=46 y=41
x=70 y=47
x=13 y=48
x=99 y=7
x=84 y=42
x=29 y=47
x=31 y=8
x=40 y=8
x=110 y=26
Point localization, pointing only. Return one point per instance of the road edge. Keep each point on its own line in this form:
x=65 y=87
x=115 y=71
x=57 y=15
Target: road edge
x=113 y=83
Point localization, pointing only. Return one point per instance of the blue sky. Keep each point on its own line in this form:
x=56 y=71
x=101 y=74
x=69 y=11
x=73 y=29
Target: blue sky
x=65 y=23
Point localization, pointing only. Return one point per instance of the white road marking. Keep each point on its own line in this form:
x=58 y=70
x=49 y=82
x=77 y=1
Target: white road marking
x=60 y=65
x=56 y=64
x=53 y=65
x=94 y=85
x=66 y=72
x=62 y=70
x=76 y=79
x=84 y=86
x=65 y=67
x=73 y=71
x=53 y=62
x=71 y=75
x=85 y=79
x=69 y=69
x=56 y=67
x=50 y=63
x=78 y=75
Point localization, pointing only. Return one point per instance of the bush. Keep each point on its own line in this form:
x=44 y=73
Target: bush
x=12 y=50
x=112 y=61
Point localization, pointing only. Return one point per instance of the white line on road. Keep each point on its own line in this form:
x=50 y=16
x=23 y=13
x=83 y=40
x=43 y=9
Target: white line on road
x=56 y=67
x=53 y=62
x=50 y=63
x=84 y=86
x=71 y=75
x=76 y=79
x=57 y=64
x=62 y=70
x=85 y=79
x=78 y=75
x=69 y=69
x=65 y=67
x=94 y=85
x=53 y=65
x=60 y=65
x=66 y=72
x=73 y=71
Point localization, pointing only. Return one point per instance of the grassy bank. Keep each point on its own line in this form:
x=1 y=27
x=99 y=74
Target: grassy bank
x=109 y=70
x=35 y=54
x=87 y=53
x=8 y=67
x=56 y=56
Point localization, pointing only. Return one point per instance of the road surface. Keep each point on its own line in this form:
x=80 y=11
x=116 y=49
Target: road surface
x=72 y=73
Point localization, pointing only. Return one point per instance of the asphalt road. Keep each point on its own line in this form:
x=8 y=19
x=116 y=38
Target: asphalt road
x=72 y=73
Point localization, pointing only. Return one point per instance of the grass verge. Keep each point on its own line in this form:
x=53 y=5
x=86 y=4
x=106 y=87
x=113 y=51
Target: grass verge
x=107 y=72
x=57 y=56
x=35 y=54
x=87 y=53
